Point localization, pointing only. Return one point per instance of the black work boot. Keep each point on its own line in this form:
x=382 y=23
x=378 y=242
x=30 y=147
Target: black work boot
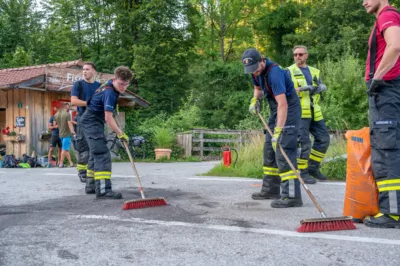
x=263 y=195
x=90 y=186
x=382 y=221
x=307 y=178
x=287 y=203
x=82 y=176
x=109 y=195
x=270 y=188
x=318 y=175
x=104 y=191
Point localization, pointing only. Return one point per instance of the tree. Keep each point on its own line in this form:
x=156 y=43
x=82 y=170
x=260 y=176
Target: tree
x=19 y=23
x=225 y=23
x=163 y=54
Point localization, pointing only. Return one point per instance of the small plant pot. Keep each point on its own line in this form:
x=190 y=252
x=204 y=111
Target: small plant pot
x=162 y=153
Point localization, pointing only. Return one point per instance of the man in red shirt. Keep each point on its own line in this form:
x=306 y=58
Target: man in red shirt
x=383 y=81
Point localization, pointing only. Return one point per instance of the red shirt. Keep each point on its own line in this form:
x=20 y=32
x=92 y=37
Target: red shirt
x=385 y=20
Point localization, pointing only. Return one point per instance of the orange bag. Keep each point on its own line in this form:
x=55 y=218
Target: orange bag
x=361 y=198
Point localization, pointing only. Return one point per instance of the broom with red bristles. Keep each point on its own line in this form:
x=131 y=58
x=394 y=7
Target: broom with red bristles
x=143 y=202
x=318 y=224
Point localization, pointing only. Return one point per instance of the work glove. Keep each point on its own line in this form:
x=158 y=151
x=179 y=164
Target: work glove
x=318 y=89
x=123 y=137
x=254 y=107
x=375 y=85
x=276 y=137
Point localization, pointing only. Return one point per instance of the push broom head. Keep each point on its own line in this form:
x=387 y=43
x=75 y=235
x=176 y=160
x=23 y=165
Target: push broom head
x=326 y=224
x=144 y=203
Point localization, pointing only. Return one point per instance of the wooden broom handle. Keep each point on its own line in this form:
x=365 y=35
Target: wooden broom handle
x=134 y=168
x=131 y=159
x=293 y=168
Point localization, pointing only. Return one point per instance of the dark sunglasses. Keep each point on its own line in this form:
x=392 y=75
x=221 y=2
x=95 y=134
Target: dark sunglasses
x=298 y=54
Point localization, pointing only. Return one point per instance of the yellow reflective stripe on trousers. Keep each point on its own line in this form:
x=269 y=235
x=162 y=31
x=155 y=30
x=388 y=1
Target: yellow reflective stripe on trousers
x=302 y=163
x=81 y=167
x=388 y=185
x=288 y=175
x=102 y=175
x=316 y=155
x=271 y=171
x=89 y=173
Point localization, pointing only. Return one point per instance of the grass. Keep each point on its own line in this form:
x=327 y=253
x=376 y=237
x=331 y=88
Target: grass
x=161 y=160
x=335 y=169
x=250 y=163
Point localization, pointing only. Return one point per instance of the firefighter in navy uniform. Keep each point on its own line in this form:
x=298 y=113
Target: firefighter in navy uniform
x=274 y=84
x=81 y=92
x=311 y=156
x=99 y=111
x=383 y=80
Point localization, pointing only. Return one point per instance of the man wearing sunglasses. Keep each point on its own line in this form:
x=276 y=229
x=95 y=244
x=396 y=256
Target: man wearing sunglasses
x=273 y=83
x=308 y=85
x=99 y=111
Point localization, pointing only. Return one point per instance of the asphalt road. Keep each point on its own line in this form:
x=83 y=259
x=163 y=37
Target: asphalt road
x=46 y=219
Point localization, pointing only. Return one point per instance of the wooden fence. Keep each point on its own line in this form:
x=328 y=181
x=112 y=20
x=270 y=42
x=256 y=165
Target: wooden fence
x=202 y=141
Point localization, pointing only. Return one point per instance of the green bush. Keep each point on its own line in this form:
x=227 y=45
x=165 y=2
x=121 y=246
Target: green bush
x=345 y=103
x=335 y=169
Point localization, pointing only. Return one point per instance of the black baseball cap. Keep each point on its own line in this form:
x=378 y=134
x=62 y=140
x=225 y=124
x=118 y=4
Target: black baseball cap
x=250 y=60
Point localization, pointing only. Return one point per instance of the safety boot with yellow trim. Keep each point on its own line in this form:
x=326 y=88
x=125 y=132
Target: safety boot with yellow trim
x=383 y=221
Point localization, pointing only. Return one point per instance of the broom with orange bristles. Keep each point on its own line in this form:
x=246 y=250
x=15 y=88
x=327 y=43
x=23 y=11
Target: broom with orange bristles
x=143 y=202
x=317 y=224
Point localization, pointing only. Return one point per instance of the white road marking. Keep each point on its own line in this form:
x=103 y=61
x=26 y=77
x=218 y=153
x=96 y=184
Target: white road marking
x=332 y=183
x=248 y=230
x=227 y=179
x=61 y=174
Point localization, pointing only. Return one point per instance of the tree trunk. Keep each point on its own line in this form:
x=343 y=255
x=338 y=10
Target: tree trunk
x=222 y=35
x=78 y=21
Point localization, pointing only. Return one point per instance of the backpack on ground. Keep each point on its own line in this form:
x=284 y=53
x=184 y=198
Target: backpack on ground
x=10 y=161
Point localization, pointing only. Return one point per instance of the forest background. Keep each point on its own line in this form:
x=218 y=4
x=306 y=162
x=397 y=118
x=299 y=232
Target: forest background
x=186 y=53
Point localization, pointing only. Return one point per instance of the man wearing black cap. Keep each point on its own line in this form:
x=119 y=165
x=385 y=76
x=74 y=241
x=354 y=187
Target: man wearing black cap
x=275 y=85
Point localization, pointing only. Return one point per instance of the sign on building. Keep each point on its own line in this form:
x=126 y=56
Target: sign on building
x=20 y=121
x=62 y=79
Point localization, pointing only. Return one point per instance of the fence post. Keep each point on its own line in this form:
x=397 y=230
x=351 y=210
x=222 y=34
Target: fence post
x=240 y=140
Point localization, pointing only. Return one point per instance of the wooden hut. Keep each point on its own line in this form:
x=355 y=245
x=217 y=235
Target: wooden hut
x=27 y=98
